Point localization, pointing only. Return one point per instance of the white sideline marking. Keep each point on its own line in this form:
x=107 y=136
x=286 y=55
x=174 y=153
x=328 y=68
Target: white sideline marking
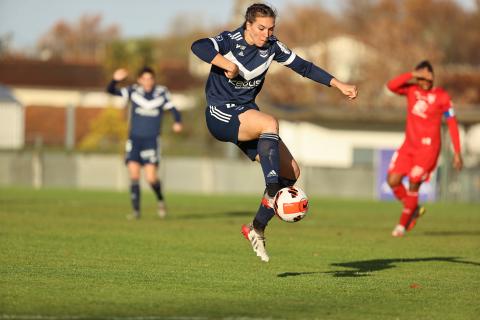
x=40 y=317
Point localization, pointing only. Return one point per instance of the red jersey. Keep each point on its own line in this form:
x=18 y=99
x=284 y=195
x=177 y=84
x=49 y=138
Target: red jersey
x=424 y=113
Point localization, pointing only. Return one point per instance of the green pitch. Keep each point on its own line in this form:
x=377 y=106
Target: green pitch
x=72 y=255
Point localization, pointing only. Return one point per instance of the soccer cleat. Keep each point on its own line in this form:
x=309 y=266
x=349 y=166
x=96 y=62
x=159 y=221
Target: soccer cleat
x=161 y=209
x=135 y=215
x=257 y=240
x=399 y=231
x=417 y=213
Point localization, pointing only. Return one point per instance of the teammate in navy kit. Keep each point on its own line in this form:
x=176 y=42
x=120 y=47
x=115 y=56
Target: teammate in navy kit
x=148 y=103
x=240 y=60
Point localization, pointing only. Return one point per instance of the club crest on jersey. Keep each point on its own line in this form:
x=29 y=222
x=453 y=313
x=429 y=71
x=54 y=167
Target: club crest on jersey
x=283 y=47
x=431 y=97
x=219 y=38
x=420 y=109
x=263 y=53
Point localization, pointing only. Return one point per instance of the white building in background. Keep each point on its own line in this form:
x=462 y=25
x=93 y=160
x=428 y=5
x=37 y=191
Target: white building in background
x=318 y=146
x=12 y=124
x=343 y=56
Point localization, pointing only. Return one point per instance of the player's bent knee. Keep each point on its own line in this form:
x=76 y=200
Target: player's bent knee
x=394 y=181
x=270 y=125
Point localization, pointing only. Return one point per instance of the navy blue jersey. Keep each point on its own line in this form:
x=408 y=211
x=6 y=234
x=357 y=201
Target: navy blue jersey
x=146 y=108
x=253 y=63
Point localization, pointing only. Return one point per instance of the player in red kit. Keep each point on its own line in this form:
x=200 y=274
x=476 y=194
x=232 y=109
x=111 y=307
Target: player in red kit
x=418 y=155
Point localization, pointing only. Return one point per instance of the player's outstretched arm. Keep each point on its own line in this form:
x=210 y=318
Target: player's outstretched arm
x=348 y=90
x=119 y=75
x=309 y=70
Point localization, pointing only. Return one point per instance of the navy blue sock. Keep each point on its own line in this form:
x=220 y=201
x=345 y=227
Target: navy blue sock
x=263 y=216
x=264 y=213
x=157 y=188
x=285 y=182
x=267 y=149
x=135 y=194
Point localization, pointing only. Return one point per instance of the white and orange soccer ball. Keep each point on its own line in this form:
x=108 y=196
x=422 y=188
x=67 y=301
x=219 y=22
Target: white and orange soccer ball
x=290 y=204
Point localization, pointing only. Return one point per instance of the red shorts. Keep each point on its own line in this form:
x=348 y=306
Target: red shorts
x=416 y=163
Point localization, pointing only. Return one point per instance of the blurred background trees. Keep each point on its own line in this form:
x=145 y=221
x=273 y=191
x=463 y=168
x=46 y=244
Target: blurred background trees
x=393 y=36
x=83 y=40
x=365 y=42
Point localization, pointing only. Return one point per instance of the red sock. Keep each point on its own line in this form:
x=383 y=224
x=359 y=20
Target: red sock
x=399 y=191
x=410 y=202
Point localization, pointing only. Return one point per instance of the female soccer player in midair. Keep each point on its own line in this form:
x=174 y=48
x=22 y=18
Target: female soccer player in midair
x=240 y=60
x=418 y=155
x=148 y=103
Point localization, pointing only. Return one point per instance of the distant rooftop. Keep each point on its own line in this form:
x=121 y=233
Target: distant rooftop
x=51 y=74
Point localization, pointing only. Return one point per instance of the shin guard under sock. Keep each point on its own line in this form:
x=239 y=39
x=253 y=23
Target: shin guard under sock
x=267 y=149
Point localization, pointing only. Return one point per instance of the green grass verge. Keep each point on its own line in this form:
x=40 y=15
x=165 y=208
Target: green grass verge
x=68 y=254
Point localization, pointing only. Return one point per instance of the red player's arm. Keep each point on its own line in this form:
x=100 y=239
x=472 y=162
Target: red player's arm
x=452 y=123
x=454 y=135
x=399 y=85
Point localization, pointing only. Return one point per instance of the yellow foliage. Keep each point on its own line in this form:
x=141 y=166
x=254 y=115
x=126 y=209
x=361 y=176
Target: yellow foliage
x=107 y=132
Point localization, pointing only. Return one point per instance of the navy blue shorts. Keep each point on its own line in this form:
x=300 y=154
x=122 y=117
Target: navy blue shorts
x=142 y=150
x=223 y=124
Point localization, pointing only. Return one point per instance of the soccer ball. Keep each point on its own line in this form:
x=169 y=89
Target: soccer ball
x=290 y=204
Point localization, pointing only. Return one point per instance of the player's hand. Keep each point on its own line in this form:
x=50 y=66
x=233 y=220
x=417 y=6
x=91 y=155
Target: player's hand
x=232 y=72
x=230 y=68
x=120 y=74
x=177 y=127
x=350 y=91
x=457 y=161
x=347 y=89
x=423 y=74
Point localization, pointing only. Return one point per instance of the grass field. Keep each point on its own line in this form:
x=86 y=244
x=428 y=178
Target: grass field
x=72 y=255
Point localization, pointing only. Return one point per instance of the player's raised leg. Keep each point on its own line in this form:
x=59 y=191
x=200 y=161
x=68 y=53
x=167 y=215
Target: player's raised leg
x=289 y=173
x=258 y=125
x=255 y=124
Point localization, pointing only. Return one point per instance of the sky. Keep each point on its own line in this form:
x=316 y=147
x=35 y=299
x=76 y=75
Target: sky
x=27 y=20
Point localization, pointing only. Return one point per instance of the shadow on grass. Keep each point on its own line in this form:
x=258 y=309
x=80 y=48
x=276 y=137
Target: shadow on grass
x=214 y=215
x=451 y=233
x=367 y=267
x=294 y=274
